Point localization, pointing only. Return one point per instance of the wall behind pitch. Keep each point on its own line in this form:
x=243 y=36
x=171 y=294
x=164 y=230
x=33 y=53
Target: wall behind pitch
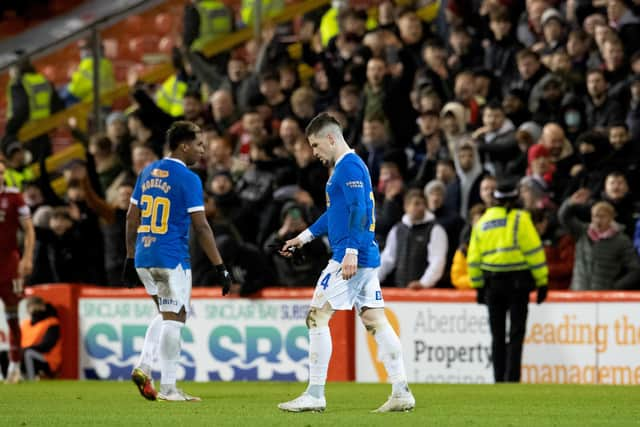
x=227 y=339
x=574 y=337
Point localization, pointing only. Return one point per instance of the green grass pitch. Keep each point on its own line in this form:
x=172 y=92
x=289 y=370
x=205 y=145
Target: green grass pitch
x=94 y=403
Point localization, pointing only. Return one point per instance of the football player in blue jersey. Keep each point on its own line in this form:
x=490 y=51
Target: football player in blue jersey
x=166 y=201
x=351 y=277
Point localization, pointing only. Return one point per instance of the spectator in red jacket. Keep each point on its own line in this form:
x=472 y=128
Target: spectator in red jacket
x=559 y=248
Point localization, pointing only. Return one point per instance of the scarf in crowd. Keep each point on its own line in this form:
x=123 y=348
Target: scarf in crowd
x=596 y=235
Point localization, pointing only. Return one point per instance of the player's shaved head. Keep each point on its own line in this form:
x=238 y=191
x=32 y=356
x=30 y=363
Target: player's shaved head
x=322 y=124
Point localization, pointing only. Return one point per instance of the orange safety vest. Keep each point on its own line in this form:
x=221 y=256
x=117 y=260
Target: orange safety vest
x=33 y=335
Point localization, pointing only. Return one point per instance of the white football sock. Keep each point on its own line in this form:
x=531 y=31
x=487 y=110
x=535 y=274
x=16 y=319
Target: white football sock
x=169 y=352
x=390 y=354
x=150 y=347
x=320 y=347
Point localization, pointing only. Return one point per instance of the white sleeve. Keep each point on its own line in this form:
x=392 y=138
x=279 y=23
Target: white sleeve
x=388 y=256
x=436 y=257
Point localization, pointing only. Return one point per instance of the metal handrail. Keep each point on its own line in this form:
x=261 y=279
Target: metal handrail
x=158 y=73
x=74 y=35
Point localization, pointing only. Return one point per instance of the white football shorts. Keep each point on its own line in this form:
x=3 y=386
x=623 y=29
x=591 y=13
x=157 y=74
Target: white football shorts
x=172 y=286
x=362 y=290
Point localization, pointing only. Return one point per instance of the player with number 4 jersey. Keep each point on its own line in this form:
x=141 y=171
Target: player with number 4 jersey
x=351 y=277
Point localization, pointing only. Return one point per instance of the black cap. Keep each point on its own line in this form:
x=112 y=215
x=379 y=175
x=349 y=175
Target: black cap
x=507 y=189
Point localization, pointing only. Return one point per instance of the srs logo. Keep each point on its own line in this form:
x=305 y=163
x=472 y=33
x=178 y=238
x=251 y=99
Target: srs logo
x=258 y=353
x=113 y=356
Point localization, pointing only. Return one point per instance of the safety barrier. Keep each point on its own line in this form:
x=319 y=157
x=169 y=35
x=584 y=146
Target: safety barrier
x=574 y=337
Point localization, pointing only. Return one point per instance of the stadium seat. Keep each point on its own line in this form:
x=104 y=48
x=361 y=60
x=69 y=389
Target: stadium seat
x=163 y=23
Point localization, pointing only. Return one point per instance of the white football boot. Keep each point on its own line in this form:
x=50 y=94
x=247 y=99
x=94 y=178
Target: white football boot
x=304 y=403
x=13 y=376
x=398 y=403
x=176 y=395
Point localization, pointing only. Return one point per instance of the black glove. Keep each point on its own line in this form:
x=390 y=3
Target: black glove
x=297 y=257
x=542 y=294
x=481 y=295
x=129 y=274
x=224 y=278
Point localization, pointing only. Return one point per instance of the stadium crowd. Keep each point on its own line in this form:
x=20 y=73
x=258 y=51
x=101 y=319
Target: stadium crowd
x=438 y=107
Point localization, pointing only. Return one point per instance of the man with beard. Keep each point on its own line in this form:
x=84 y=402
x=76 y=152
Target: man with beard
x=601 y=110
x=622 y=155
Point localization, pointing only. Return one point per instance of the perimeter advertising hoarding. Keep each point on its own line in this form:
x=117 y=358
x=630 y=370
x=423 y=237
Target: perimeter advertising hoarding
x=442 y=343
x=586 y=343
x=230 y=340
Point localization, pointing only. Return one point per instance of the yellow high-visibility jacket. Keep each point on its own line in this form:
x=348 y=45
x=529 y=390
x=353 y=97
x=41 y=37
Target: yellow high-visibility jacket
x=170 y=96
x=38 y=91
x=216 y=20
x=504 y=241
x=81 y=84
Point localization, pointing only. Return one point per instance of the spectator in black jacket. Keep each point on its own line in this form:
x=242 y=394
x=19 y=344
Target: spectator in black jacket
x=530 y=71
x=623 y=156
x=495 y=140
x=21 y=104
x=601 y=110
x=296 y=271
x=625 y=22
x=311 y=174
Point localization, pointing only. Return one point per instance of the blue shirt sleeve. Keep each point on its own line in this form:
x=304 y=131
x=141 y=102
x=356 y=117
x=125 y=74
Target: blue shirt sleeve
x=352 y=184
x=194 y=200
x=320 y=227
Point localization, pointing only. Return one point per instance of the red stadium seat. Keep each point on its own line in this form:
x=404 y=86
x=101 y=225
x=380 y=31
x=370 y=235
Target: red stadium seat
x=134 y=25
x=166 y=44
x=163 y=23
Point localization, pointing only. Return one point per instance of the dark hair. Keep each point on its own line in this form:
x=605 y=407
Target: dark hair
x=193 y=93
x=494 y=104
x=617 y=174
x=319 y=122
x=619 y=124
x=181 y=131
x=447 y=162
x=595 y=71
x=580 y=34
x=524 y=53
x=499 y=15
x=349 y=89
x=375 y=116
x=61 y=212
x=466 y=146
x=269 y=75
x=415 y=193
